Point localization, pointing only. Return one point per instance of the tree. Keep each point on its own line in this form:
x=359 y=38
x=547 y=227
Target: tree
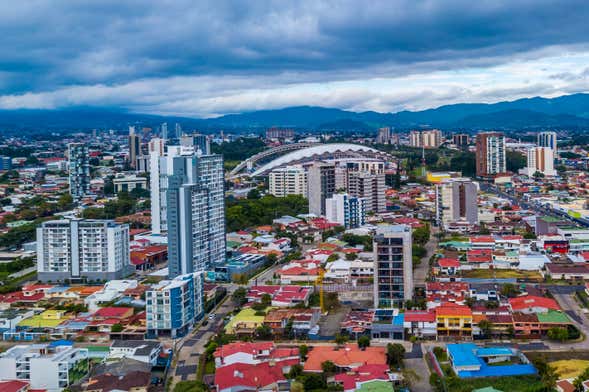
x=395 y=354
x=509 y=290
x=578 y=382
x=546 y=372
x=266 y=300
x=239 y=296
x=328 y=367
x=421 y=234
x=351 y=256
x=303 y=351
x=253 y=194
x=486 y=327
x=117 y=328
x=332 y=257
x=264 y=332
x=557 y=333
x=312 y=381
x=363 y=341
x=341 y=339
x=65 y=201
x=295 y=371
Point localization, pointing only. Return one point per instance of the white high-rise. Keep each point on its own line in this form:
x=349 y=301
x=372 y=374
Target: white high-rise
x=289 y=180
x=195 y=212
x=548 y=139
x=541 y=160
x=348 y=211
x=82 y=249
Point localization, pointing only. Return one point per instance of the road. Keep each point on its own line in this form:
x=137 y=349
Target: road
x=570 y=306
x=420 y=272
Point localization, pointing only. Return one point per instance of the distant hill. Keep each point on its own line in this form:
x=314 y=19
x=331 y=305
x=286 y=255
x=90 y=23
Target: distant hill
x=566 y=111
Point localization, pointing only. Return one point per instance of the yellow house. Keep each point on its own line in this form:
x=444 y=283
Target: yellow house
x=454 y=321
x=244 y=322
x=46 y=319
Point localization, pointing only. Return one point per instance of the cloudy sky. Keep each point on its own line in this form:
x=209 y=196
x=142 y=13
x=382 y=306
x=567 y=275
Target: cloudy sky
x=206 y=58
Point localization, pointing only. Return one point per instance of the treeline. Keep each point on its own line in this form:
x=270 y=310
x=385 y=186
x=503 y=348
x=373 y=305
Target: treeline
x=243 y=213
x=239 y=149
x=125 y=204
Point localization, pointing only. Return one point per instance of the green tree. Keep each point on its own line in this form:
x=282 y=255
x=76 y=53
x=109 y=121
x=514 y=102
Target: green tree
x=581 y=378
x=395 y=354
x=264 y=332
x=421 y=234
x=351 y=256
x=546 y=372
x=239 y=295
x=117 y=328
x=266 y=300
x=328 y=367
x=509 y=290
x=65 y=201
x=486 y=327
x=363 y=341
x=303 y=351
x=557 y=333
x=341 y=339
x=295 y=371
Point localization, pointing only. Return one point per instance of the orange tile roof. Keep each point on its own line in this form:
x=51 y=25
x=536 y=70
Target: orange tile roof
x=349 y=356
x=449 y=309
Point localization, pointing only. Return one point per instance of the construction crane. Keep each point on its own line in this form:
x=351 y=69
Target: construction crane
x=319 y=282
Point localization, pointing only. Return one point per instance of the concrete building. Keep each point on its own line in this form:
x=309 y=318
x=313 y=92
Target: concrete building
x=279 y=133
x=431 y=138
x=321 y=185
x=195 y=199
x=371 y=187
x=456 y=201
x=79 y=170
x=160 y=169
x=134 y=147
x=387 y=136
x=199 y=143
x=461 y=139
x=289 y=180
x=173 y=306
x=82 y=249
x=540 y=159
x=44 y=366
x=349 y=211
x=129 y=183
x=548 y=139
x=5 y=163
x=490 y=154
x=146 y=351
x=393 y=270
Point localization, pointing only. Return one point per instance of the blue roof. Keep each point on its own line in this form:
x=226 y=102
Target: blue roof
x=399 y=319
x=494 y=351
x=61 y=343
x=469 y=354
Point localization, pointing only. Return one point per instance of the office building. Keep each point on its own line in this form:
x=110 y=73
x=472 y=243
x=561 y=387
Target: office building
x=548 y=139
x=173 y=306
x=195 y=199
x=134 y=147
x=143 y=163
x=5 y=163
x=456 y=201
x=280 y=133
x=393 y=270
x=199 y=143
x=164 y=131
x=159 y=170
x=124 y=183
x=45 y=366
x=431 y=138
x=541 y=160
x=348 y=211
x=79 y=170
x=461 y=139
x=82 y=249
x=386 y=136
x=289 y=180
x=369 y=186
x=321 y=186
x=490 y=154
x=178 y=130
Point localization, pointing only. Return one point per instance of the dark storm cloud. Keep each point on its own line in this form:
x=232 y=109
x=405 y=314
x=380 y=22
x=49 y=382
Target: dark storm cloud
x=48 y=44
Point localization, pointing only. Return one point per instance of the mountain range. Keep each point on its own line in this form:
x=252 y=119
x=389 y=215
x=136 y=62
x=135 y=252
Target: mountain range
x=568 y=111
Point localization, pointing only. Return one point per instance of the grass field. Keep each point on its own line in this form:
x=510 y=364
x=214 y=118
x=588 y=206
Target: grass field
x=502 y=274
x=570 y=368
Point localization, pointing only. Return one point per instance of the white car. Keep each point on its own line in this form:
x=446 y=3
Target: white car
x=212 y=316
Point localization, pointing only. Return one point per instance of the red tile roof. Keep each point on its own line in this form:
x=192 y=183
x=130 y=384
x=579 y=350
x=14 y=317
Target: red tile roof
x=242 y=347
x=449 y=309
x=350 y=357
x=532 y=301
x=420 y=316
x=448 y=263
x=113 y=312
x=242 y=375
x=13 y=386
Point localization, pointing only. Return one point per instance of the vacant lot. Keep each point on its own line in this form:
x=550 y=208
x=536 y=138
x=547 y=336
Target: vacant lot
x=570 y=368
x=502 y=274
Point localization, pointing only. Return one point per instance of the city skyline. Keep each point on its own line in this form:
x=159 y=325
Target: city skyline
x=182 y=59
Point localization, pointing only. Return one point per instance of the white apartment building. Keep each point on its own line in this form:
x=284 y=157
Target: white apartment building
x=129 y=183
x=348 y=211
x=540 y=159
x=45 y=367
x=548 y=139
x=431 y=138
x=172 y=306
x=82 y=249
x=289 y=180
x=456 y=201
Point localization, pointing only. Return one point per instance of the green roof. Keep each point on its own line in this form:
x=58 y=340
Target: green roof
x=376 y=386
x=233 y=244
x=486 y=389
x=550 y=219
x=98 y=348
x=553 y=316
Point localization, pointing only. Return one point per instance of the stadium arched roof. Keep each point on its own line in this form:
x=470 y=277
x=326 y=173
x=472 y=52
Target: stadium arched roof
x=317 y=150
